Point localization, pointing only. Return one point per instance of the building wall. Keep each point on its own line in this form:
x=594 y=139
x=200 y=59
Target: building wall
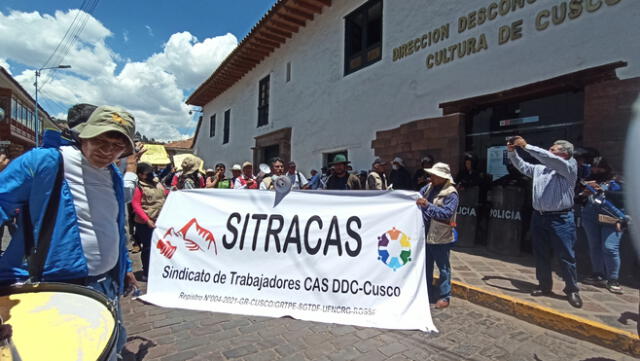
x=441 y=137
x=608 y=111
x=328 y=111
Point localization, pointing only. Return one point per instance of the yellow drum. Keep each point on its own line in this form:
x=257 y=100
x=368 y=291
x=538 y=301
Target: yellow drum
x=57 y=321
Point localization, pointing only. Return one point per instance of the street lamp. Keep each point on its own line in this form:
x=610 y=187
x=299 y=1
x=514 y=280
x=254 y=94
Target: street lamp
x=36 y=85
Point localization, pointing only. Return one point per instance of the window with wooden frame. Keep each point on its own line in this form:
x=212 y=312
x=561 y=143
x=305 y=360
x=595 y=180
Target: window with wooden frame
x=227 y=121
x=288 y=72
x=363 y=36
x=212 y=126
x=263 y=101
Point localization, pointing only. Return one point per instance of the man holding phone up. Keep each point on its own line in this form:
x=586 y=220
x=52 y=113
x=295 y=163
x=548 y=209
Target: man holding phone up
x=552 y=223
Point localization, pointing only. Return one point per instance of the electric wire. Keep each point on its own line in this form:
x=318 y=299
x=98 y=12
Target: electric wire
x=70 y=38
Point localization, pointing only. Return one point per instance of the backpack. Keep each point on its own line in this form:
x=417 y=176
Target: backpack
x=189 y=181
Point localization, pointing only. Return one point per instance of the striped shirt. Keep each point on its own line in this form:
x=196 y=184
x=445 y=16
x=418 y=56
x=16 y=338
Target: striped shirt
x=553 y=180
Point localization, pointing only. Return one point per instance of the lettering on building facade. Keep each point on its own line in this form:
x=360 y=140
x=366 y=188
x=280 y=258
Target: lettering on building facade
x=544 y=19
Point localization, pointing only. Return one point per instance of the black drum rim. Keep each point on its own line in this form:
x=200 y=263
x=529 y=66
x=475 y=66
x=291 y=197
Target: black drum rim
x=74 y=289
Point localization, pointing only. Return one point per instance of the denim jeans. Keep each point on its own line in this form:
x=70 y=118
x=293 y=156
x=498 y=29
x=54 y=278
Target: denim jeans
x=109 y=287
x=143 y=234
x=604 y=245
x=554 y=233
x=439 y=253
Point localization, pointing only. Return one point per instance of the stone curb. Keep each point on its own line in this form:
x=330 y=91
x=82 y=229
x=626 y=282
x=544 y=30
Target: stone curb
x=574 y=326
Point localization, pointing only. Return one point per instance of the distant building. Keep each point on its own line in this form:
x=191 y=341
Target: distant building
x=315 y=78
x=179 y=147
x=17 y=128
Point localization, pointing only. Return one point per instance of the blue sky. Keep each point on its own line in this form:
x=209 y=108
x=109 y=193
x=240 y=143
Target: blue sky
x=127 y=42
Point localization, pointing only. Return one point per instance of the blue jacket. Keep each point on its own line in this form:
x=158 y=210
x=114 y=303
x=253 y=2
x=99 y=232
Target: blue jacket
x=28 y=180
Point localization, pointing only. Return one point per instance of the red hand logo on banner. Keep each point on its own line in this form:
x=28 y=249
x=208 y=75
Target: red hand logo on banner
x=166 y=248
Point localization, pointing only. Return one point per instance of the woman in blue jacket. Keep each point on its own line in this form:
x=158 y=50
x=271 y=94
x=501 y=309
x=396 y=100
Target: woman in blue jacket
x=603 y=229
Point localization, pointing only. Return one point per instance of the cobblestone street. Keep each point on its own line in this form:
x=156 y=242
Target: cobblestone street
x=467 y=332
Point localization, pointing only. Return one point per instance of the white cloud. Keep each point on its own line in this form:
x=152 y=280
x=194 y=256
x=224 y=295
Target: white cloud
x=149 y=30
x=5 y=65
x=125 y=36
x=30 y=38
x=192 y=61
x=152 y=90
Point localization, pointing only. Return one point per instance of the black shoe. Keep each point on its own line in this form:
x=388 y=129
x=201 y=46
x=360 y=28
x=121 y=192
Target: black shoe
x=614 y=287
x=574 y=299
x=597 y=281
x=540 y=293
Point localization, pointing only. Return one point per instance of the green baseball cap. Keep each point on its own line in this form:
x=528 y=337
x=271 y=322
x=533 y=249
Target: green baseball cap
x=108 y=118
x=339 y=158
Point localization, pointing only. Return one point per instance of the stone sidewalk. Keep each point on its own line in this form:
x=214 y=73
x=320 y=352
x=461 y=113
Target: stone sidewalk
x=515 y=277
x=467 y=332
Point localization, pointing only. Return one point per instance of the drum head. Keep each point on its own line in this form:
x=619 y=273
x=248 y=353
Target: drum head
x=58 y=322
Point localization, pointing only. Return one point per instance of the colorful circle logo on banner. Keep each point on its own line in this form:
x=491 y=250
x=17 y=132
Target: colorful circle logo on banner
x=394 y=248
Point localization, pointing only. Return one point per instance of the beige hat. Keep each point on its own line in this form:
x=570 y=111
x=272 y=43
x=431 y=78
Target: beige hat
x=189 y=165
x=247 y=164
x=441 y=170
x=236 y=167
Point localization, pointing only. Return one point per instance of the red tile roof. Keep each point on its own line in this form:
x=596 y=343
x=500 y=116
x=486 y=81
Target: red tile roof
x=181 y=144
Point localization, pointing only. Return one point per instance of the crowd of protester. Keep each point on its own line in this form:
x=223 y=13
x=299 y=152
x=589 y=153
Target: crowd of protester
x=339 y=175
x=563 y=180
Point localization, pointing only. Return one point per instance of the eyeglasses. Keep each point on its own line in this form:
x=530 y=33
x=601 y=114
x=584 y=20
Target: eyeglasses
x=109 y=146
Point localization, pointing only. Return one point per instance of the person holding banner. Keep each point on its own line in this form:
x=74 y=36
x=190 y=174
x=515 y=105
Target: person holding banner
x=188 y=177
x=438 y=204
x=341 y=179
x=277 y=170
x=71 y=198
x=377 y=180
x=218 y=178
x=148 y=199
x=236 y=172
x=247 y=180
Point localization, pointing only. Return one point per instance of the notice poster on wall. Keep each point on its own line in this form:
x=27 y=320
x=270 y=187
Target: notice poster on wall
x=347 y=257
x=497 y=161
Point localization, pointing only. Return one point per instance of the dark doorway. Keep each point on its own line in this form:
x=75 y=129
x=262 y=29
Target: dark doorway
x=540 y=121
x=274 y=144
x=269 y=152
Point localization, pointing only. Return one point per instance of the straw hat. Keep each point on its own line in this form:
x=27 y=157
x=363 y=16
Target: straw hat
x=441 y=170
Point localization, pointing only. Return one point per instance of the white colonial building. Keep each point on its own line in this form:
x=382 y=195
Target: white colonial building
x=414 y=77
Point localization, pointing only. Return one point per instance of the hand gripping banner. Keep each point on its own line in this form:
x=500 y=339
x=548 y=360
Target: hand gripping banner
x=354 y=258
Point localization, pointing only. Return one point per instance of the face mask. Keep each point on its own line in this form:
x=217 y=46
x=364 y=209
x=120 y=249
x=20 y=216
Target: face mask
x=395 y=167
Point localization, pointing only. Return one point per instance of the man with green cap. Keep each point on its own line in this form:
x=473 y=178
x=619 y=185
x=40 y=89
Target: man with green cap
x=341 y=179
x=71 y=201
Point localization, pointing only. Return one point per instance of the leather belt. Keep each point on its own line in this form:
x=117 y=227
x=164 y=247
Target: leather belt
x=563 y=211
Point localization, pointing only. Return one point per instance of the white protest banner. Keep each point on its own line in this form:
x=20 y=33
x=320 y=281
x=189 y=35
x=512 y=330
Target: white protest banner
x=353 y=258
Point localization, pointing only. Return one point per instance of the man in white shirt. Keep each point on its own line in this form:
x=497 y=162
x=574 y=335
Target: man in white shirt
x=298 y=181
